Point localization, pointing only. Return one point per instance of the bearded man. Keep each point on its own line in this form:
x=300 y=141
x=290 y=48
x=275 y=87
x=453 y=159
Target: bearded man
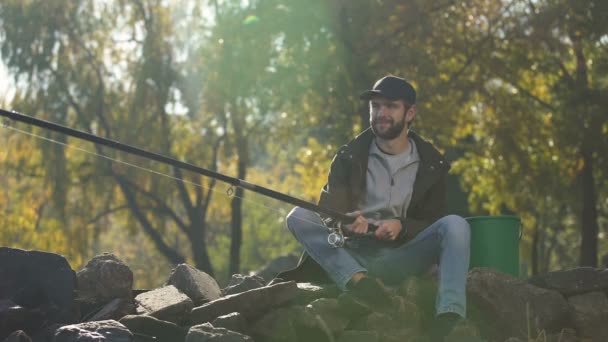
x=389 y=177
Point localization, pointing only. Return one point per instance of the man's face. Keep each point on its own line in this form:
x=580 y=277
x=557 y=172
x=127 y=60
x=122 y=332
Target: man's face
x=388 y=117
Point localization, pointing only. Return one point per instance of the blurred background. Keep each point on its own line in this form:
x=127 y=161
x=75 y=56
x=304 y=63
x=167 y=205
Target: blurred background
x=514 y=92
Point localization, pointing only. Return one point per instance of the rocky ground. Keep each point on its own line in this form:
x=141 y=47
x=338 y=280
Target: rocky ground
x=43 y=299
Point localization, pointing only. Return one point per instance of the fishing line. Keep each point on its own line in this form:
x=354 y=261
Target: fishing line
x=229 y=192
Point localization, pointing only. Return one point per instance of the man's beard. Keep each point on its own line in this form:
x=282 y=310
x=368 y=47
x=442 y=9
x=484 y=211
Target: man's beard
x=392 y=132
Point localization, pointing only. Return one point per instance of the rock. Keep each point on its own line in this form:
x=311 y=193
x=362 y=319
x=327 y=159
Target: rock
x=18 y=336
x=328 y=311
x=115 y=309
x=382 y=322
x=15 y=317
x=196 y=284
x=408 y=312
x=591 y=315
x=207 y=333
x=360 y=336
x=274 y=267
x=353 y=308
x=240 y=283
x=233 y=321
x=573 y=281
x=104 y=278
x=413 y=335
x=308 y=292
x=251 y=304
x=165 y=303
x=505 y=306
x=160 y=331
x=99 y=331
x=291 y=324
x=38 y=281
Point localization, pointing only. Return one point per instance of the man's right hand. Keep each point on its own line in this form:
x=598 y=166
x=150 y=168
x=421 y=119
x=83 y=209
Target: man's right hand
x=360 y=225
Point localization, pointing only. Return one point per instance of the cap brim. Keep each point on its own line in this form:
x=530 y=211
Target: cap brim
x=369 y=94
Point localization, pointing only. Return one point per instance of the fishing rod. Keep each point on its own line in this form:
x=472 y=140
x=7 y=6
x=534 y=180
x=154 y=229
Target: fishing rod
x=336 y=238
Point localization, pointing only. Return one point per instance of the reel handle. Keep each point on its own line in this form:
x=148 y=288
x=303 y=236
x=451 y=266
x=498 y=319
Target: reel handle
x=337 y=238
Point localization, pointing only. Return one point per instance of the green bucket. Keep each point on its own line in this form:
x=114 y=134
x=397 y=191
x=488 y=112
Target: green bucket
x=495 y=242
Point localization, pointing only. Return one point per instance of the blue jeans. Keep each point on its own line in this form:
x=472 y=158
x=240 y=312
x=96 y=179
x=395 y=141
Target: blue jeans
x=445 y=242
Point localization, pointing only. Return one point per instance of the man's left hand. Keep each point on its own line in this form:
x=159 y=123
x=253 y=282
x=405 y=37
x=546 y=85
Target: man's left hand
x=388 y=229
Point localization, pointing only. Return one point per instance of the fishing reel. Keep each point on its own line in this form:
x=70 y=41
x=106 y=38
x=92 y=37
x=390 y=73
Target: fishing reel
x=338 y=237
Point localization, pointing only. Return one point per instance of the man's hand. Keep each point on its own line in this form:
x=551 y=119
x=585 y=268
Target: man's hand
x=388 y=229
x=359 y=226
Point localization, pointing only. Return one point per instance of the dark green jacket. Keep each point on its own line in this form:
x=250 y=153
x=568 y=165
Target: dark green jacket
x=346 y=186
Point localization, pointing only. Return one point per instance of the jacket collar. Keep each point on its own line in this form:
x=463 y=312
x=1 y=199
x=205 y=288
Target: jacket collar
x=358 y=148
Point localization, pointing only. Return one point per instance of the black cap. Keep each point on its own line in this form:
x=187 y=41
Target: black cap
x=391 y=87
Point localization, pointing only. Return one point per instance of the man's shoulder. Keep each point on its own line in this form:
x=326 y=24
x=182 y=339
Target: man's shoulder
x=427 y=150
x=359 y=145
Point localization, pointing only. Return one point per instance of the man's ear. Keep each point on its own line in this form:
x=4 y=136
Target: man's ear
x=410 y=114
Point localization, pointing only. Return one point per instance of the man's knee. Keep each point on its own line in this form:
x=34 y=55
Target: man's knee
x=299 y=218
x=457 y=226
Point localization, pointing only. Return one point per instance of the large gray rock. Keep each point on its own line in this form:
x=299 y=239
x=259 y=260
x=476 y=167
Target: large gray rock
x=100 y=331
x=241 y=283
x=39 y=281
x=505 y=306
x=207 y=333
x=573 y=281
x=591 y=315
x=104 y=278
x=251 y=304
x=160 y=331
x=165 y=303
x=233 y=321
x=196 y=284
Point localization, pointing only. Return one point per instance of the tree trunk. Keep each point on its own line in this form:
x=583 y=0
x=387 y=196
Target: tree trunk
x=199 y=247
x=237 y=216
x=535 y=247
x=589 y=229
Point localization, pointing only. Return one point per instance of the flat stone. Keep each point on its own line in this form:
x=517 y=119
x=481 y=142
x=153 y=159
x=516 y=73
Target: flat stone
x=165 y=303
x=308 y=292
x=196 y=284
x=251 y=304
x=160 y=331
x=207 y=333
x=573 y=281
x=233 y=321
x=100 y=331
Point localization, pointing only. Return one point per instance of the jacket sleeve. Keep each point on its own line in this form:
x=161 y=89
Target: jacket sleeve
x=432 y=208
x=337 y=190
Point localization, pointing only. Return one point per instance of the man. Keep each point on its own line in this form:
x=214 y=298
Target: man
x=388 y=176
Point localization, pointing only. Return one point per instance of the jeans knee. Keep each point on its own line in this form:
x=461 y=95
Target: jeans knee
x=298 y=218
x=457 y=227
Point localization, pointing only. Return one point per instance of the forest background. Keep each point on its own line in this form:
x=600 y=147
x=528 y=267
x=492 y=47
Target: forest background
x=514 y=92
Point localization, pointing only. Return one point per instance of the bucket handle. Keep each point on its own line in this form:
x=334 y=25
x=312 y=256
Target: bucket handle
x=521 y=229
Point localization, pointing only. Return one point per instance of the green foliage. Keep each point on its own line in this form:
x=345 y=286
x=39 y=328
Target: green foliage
x=267 y=90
